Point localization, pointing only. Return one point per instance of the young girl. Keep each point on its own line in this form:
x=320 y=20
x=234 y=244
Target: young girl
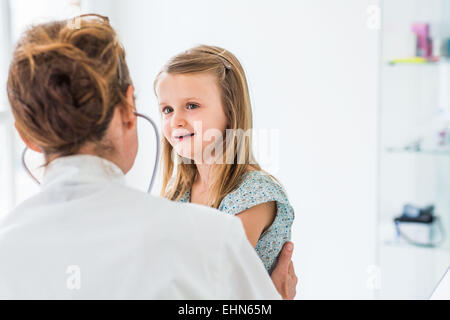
x=205 y=106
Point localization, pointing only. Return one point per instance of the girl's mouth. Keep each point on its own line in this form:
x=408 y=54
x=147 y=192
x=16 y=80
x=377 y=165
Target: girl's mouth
x=180 y=138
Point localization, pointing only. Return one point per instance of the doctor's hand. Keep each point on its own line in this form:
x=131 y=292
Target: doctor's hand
x=283 y=276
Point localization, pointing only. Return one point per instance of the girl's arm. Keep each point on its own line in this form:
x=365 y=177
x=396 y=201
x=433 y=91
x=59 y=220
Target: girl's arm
x=257 y=219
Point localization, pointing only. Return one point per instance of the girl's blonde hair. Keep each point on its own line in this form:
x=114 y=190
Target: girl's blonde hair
x=236 y=102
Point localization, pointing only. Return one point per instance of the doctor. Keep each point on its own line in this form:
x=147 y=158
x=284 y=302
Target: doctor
x=86 y=235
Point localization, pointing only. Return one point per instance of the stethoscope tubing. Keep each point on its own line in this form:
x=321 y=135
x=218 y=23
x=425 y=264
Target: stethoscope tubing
x=157 y=157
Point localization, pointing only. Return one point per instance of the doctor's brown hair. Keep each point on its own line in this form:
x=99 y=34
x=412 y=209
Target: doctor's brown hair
x=65 y=80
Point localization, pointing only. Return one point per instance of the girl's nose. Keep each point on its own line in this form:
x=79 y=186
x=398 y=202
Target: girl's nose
x=178 y=120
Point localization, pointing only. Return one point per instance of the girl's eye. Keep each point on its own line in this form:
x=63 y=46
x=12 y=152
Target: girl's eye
x=191 y=106
x=167 y=110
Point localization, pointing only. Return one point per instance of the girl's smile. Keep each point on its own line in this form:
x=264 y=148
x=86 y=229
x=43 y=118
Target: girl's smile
x=186 y=136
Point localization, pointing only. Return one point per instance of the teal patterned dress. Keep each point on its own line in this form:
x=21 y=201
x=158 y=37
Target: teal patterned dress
x=256 y=188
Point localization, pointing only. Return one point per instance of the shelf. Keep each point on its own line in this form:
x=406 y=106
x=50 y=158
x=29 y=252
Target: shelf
x=388 y=237
x=429 y=63
x=393 y=243
x=416 y=61
x=435 y=152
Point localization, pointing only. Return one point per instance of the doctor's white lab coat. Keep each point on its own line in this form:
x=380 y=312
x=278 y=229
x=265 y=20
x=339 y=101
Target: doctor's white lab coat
x=88 y=236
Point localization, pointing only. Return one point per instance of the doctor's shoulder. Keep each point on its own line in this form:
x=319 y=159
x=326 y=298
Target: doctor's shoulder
x=181 y=220
x=213 y=248
x=21 y=211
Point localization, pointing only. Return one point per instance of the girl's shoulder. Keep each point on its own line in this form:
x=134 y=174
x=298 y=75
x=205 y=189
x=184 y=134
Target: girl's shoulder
x=257 y=180
x=256 y=187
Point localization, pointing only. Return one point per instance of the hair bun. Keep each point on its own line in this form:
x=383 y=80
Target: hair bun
x=64 y=84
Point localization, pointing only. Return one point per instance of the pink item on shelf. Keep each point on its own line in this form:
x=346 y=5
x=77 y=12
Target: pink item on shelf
x=423 y=47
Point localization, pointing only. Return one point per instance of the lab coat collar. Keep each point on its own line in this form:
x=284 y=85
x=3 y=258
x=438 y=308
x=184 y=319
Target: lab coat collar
x=78 y=169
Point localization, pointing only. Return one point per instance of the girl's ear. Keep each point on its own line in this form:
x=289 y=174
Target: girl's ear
x=27 y=142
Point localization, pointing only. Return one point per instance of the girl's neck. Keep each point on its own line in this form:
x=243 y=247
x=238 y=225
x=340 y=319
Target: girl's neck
x=204 y=176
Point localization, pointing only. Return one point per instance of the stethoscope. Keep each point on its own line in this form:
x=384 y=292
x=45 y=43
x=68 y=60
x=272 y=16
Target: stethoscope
x=155 y=169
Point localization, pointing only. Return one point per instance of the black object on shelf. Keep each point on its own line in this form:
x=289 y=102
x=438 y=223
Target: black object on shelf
x=415 y=214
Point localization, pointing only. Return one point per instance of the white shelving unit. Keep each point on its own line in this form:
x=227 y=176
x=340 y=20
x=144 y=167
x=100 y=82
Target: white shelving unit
x=412 y=99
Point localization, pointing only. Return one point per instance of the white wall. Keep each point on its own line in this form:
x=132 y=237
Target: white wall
x=312 y=69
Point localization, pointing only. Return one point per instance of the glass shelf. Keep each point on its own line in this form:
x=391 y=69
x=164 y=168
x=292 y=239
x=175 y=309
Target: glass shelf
x=415 y=62
x=436 y=152
x=391 y=242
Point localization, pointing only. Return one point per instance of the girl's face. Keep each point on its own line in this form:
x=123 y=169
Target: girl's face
x=193 y=116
